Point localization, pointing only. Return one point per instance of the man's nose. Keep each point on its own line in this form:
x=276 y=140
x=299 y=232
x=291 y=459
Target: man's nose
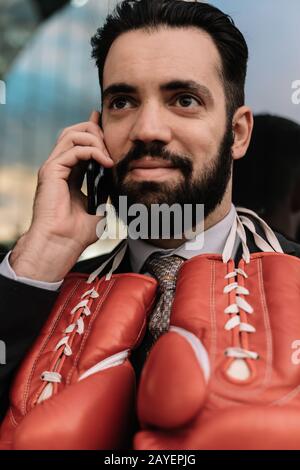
x=151 y=125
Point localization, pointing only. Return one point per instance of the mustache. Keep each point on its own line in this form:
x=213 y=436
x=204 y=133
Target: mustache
x=153 y=149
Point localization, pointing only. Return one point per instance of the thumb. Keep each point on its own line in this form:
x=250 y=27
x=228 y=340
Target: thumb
x=94 y=117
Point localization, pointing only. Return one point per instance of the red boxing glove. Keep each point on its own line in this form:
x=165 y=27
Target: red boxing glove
x=76 y=387
x=225 y=375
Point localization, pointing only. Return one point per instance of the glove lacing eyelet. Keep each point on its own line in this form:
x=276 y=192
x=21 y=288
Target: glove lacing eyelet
x=235 y=321
x=83 y=307
x=271 y=244
x=81 y=310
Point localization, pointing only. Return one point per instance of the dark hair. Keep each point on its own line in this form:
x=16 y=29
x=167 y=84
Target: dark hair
x=267 y=174
x=152 y=14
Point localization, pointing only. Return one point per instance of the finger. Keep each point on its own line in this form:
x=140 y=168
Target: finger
x=74 y=138
x=61 y=167
x=88 y=126
x=94 y=117
x=77 y=154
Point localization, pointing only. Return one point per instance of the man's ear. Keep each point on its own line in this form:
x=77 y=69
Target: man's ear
x=242 y=125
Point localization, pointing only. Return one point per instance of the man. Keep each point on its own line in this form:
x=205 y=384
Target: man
x=173 y=116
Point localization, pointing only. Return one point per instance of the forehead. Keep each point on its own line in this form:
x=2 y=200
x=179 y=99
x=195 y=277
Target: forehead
x=145 y=58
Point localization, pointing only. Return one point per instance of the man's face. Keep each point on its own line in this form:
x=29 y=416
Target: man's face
x=165 y=121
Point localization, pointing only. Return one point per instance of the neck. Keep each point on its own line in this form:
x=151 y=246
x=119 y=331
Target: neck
x=212 y=219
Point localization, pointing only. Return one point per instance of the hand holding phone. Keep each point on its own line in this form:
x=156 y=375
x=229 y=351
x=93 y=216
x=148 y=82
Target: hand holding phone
x=61 y=229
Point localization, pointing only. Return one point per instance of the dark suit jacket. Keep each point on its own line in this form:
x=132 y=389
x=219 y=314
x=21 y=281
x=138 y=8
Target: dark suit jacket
x=24 y=310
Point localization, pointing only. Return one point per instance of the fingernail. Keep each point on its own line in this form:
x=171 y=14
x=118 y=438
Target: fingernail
x=107 y=154
x=108 y=158
x=94 y=116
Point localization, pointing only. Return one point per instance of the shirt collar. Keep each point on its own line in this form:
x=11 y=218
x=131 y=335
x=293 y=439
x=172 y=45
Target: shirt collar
x=214 y=242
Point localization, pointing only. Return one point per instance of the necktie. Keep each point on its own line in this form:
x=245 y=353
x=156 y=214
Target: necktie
x=165 y=269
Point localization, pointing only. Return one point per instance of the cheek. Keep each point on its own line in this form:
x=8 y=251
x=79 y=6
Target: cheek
x=201 y=144
x=115 y=141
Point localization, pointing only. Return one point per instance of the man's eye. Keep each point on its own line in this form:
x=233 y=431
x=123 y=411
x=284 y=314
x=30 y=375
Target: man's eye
x=119 y=103
x=187 y=100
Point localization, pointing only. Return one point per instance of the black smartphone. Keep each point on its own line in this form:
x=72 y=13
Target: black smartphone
x=98 y=183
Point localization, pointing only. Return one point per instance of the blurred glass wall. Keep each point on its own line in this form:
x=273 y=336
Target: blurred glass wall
x=51 y=81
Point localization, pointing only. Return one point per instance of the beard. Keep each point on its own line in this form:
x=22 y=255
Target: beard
x=207 y=188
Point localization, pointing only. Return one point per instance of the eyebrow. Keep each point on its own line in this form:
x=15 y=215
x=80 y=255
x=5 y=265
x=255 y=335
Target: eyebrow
x=174 y=85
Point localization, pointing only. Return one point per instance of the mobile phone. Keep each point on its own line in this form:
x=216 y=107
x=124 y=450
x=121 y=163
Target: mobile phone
x=98 y=183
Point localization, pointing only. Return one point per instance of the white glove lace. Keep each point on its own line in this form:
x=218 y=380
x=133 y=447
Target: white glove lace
x=240 y=303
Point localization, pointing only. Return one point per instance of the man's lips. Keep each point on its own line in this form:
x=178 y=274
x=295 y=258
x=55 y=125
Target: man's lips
x=150 y=163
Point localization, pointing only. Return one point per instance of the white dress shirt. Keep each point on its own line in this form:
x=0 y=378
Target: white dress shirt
x=139 y=251
x=213 y=242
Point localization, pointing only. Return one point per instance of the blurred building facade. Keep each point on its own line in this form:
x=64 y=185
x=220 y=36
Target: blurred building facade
x=51 y=80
